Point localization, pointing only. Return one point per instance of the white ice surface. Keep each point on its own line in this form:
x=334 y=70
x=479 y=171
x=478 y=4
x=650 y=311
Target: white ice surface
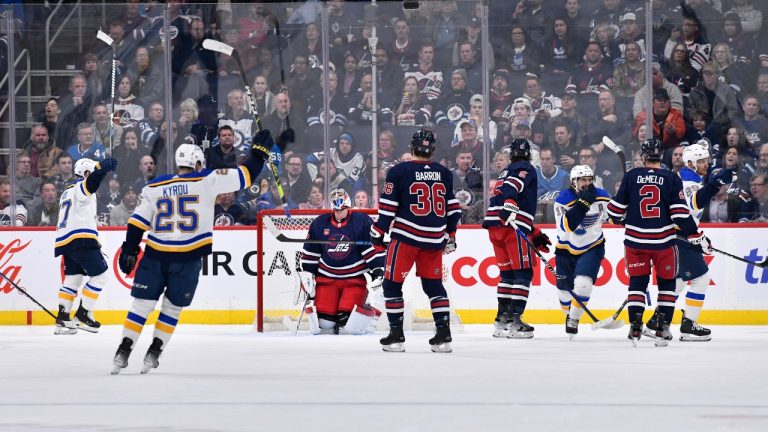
x=229 y=378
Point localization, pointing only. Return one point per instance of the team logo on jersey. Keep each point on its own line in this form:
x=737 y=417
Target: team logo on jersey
x=338 y=251
x=682 y=196
x=224 y=219
x=455 y=112
x=522 y=174
x=326 y=232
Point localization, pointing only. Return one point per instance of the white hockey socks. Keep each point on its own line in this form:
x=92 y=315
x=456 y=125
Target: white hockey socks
x=582 y=287
x=68 y=291
x=166 y=321
x=92 y=289
x=137 y=317
x=694 y=298
x=565 y=301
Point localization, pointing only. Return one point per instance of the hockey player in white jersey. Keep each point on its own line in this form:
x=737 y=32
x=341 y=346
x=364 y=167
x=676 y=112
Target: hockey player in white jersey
x=579 y=214
x=177 y=211
x=692 y=267
x=77 y=241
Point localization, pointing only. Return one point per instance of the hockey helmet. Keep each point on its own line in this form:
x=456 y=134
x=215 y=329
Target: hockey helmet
x=188 y=155
x=85 y=165
x=340 y=199
x=423 y=143
x=520 y=148
x=652 y=149
x=579 y=171
x=694 y=153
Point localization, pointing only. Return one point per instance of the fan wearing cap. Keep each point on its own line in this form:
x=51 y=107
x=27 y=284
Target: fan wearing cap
x=475 y=41
x=630 y=32
x=657 y=81
x=668 y=123
x=500 y=102
x=120 y=213
x=333 y=273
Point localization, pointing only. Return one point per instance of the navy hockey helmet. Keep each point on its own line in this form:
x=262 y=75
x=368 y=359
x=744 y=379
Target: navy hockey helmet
x=520 y=148
x=652 y=149
x=423 y=143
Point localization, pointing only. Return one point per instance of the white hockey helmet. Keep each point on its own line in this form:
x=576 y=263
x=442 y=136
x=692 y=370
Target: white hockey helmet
x=579 y=171
x=85 y=165
x=694 y=153
x=340 y=199
x=188 y=155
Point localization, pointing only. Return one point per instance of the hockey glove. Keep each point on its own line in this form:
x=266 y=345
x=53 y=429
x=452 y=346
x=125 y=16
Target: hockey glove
x=721 y=178
x=308 y=283
x=541 y=240
x=262 y=144
x=108 y=164
x=377 y=240
x=450 y=247
x=285 y=138
x=702 y=241
x=377 y=278
x=508 y=213
x=587 y=196
x=128 y=257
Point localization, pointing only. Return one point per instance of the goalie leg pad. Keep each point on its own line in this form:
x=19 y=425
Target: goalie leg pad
x=314 y=324
x=360 y=320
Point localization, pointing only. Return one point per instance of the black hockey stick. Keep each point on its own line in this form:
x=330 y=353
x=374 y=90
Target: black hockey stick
x=761 y=264
x=221 y=47
x=557 y=276
x=270 y=226
x=616 y=149
x=23 y=291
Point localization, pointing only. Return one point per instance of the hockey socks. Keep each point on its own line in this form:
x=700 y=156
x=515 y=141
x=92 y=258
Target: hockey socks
x=137 y=317
x=638 y=285
x=665 y=301
x=393 y=302
x=166 y=321
x=90 y=295
x=582 y=288
x=68 y=291
x=694 y=298
x=438 y=300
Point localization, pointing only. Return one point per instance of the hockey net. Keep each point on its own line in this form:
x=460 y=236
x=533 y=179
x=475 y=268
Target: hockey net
x=276 y=308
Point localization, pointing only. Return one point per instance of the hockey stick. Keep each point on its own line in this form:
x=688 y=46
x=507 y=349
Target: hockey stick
x=761 y=264
x=221 y=47
x=270 y=226
x=557 y=276
x=23 y=291
x=616 y=149
x=100 y=35
x=611 y=323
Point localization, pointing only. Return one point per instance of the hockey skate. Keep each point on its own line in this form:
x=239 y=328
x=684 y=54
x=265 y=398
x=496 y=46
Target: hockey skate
x=121 y=356
x=394 y=341
x=519 y=329
x=441 y=342
x=663 y=335
x=64 y=324
x=152 y=358
x=651 y=327
x=636 y=329
x=501 y=326
x=571 y=326
x=691 y=331
x=84 y=320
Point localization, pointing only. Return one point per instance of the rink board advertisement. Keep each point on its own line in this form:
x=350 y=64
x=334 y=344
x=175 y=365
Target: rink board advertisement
x=738 y=292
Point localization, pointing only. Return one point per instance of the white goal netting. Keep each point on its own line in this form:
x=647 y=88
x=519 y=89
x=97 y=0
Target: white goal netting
x=278 y=260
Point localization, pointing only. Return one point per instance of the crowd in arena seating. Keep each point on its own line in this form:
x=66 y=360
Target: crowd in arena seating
x=561 y=73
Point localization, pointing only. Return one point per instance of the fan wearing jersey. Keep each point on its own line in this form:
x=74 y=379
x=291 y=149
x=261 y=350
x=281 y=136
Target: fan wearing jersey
x=77 y=241
x=693 y=269
x=510 y=214
x=651 y=205
x=178 y=212
x=418 y=208
x=334 y=273
x=579 y=214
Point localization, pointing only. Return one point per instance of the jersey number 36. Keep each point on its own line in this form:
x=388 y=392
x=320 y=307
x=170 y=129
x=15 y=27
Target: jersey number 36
x=428 y=199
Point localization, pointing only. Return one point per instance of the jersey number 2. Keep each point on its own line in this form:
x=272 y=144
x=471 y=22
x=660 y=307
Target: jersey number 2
x=428 y=199
x=167 y=207
x=649 y=205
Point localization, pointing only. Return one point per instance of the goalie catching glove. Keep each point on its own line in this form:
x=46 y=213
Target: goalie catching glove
x=127 y=259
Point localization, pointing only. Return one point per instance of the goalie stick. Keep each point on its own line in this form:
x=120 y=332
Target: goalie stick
x=616 y=149
x=23 y=291
x=221 y=47
x=270 y=226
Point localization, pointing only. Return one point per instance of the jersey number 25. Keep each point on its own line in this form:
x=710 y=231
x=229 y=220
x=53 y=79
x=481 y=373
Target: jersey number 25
x=168 y=207
x=428 y=199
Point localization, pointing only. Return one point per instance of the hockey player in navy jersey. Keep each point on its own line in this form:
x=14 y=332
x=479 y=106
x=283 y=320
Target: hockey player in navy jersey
x=77 y=241
x=177 y=210
x=333 y=273
x=417 y=201
x=651 y=205
x=579 y=214
x=509 y=215
x=693 y=268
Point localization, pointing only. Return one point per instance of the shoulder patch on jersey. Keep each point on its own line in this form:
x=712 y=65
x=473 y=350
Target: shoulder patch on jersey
x=522 y=173
x=388 y=187
x=682 y=196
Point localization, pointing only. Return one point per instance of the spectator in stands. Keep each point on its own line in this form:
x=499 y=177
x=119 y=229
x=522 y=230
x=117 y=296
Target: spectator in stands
x=386 y=149
x=701 y=129
x=570 y=115
x=149 y=127
x=756 y=209
x=761 y=166
x=295 y=179
x=120 y=214
x=715 y=97
x=405 y=51
x=500 y=162
x=446 y=22
x=588 y=156
x=475 y=42
x=107 y=199
x=6 y=207
x=148 y=78
x=46 y=211
x=629 y=76
x=657 y=81
x=605 y=35
x=349 y=76
x=469 y=61
x=544 y=106
x=551 y=178
x=428 y=77
x=566 y=152
x=226 y=154
x=192 y=83
x=263 y=96
x=42 y=152
x=676 y=159
x=453 y=106
x=97 y=76
x=751 y=18
x=349 y=163
x=594 y=73
x=190 y=129
x=27 y=186
x=722 y=208
x=762 y=90
x=127 y=110
x=302 y=81
x=697 y=44
x=476 y=114
x=129 y=153
x=610 y=11
x=64 y=172
x=361 y=200
x=562 y=52
x=123 y=47
x=736 y=74
x=668 y=123
x=105 y=135
x=733 y=159
x=85 y=147
x=610 y=122
x=630 y=32
x=500 y=103
x=533 y=18
x=148 y=171
x=680 y=71
x=389 y=75
x=753 y=122
x=228 y=212
x=361 y=104
x=415 y=109
x=236 y=117
x=75 y=109
x=278 y=121
x=50 y=119
x=268 y=68
x=520 y=57
x=337 y=105
x=742 y=45
x=469 y=141
x=315 y=200
x=578 y=21
x=465 y=174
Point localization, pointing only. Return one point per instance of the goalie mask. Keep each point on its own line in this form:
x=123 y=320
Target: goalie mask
x=85 y=165
x=581 y=171
x=423 y=143
x=340 y=199
x=188 y=155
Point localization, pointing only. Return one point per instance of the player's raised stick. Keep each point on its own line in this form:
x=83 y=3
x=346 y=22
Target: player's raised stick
x=100 y=35
x=616 y=149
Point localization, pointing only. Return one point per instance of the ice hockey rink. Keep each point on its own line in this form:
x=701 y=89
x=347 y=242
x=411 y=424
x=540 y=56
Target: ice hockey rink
x=230 y=378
